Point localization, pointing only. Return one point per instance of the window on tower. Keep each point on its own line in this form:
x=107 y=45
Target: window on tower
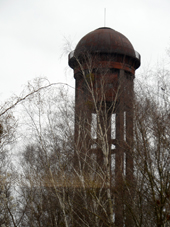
x=94 y=129
x=124 y=125
x=94 y=126
x=113 y=126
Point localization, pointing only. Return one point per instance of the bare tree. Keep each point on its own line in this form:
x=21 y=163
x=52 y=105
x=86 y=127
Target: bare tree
x=69 y=176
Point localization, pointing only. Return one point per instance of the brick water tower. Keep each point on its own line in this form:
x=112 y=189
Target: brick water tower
x=104 y=64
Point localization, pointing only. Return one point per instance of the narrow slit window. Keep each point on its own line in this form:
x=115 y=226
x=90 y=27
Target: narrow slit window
x=113 y=126
x=124 y=164
x=94 y=126
x=94 y=146
x=124 y=126
x=113 y=168
x=113 y=146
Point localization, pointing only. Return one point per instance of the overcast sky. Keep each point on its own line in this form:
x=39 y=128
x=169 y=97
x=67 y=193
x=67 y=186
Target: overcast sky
x=33 y=34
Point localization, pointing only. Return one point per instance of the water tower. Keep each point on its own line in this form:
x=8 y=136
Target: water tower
x=104 y=64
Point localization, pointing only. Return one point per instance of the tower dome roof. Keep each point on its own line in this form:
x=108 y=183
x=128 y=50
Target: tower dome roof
x=105 y=40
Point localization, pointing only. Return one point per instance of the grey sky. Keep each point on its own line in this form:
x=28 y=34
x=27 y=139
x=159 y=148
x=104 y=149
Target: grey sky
x=33 y=32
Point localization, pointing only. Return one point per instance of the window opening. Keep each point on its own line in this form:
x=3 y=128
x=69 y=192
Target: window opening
x=113 y=146
x=94 y=126
x=113 y=156
x=113 y=126
x=94 y=146
x=124 y=164
x=124 y=126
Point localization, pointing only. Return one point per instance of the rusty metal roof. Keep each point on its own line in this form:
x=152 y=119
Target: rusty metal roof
x=105 y=40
